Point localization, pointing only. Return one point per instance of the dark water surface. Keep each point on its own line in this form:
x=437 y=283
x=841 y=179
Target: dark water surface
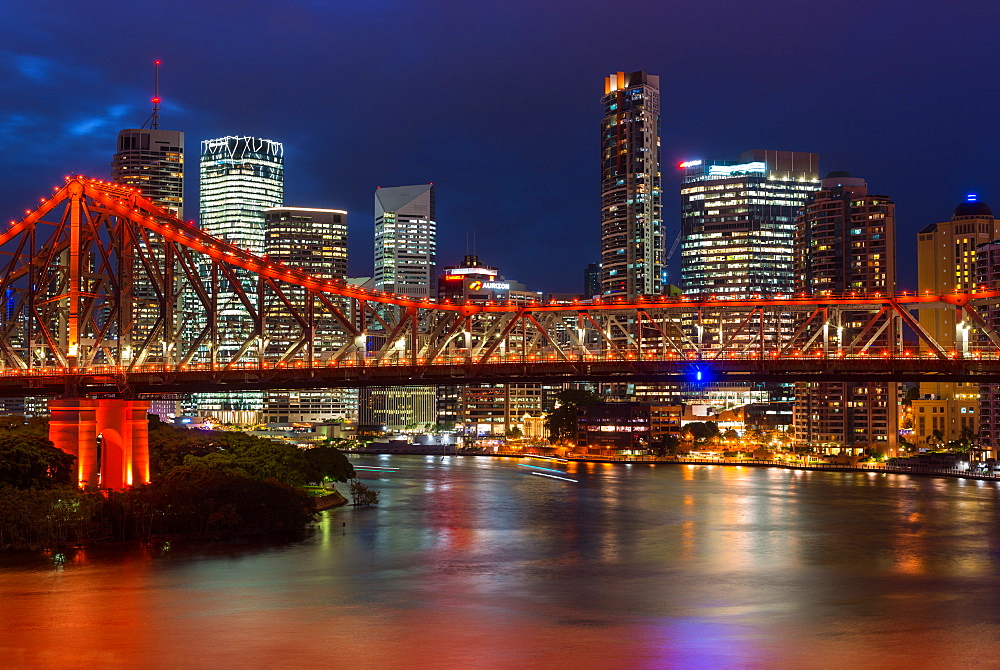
x=473 y=563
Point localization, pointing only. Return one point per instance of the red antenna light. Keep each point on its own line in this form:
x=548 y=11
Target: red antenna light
x=154 y=118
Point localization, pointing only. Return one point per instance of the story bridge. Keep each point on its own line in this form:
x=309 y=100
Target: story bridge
x=109 y=301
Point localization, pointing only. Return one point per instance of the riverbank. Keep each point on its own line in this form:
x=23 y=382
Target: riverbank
x=730 y=462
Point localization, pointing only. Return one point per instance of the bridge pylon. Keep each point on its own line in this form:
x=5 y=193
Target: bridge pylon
x=123 y=457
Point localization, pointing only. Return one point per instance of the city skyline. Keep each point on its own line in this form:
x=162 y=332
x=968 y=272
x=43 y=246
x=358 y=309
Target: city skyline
x=477 y=142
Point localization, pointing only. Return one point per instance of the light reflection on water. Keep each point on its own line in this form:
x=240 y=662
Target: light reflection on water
x=470 y=562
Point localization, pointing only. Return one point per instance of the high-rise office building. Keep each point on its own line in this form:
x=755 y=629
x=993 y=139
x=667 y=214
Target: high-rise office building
x=405 y=253
x=405 y=240
x=946 y=261
x=152 y=160
x=313 y=240
x=845 y=241
x=240 y=177
x=738 y=222
x=310 y=239
x=631 y=211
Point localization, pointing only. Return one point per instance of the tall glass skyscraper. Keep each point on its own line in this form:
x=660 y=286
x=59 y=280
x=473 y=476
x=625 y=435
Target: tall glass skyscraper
x=405 y=255
x=240 y=177
x=406 y=240
x=738 y=222
x=632 y=248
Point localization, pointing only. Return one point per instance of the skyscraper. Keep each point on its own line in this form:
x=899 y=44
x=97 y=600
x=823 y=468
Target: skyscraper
x=152 y=161
x=592 y=280
x=405 y=252
x=405 y=240
x=240 y=177
x=738 y=222
x=845 y=240
x=313 y=240
x=631 y=210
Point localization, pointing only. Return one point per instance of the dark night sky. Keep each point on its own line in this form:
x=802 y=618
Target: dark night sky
x=498 y=103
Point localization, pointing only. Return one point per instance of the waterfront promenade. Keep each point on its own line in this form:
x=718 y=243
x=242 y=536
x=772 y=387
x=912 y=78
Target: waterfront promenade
x=436 y=450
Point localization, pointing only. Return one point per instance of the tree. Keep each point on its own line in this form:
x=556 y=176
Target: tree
x=362 y=495
x=259 y=458
x=936 y=438
x=913 y=393
x=561 y=422
x=730 y=434
x=31 y=461
x=702 y=431
x=514 y=433
x=666 y=445
x=328 y=462
x=170 y=445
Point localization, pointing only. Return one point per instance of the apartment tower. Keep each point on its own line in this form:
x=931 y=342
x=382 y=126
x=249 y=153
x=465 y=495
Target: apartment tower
x=845 y=241
x=632 y=252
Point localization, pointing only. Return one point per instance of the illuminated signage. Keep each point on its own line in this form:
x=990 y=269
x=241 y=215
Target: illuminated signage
x=617 y=429
x=453 y=277
x=743 y=168
x=489 y=285
x=688 y=164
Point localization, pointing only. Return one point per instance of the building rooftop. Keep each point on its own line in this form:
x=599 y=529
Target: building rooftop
x=973 y=208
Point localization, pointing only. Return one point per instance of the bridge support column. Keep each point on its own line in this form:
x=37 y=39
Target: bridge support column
x=123 y=460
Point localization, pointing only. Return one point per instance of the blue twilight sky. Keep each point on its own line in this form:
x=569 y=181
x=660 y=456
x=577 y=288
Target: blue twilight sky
x=498 y=102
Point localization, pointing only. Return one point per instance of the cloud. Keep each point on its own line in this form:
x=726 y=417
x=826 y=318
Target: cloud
x=36 y=68
x=101 y=124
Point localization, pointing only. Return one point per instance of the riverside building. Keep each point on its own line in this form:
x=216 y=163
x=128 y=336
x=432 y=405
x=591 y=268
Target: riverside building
x=845 y=241
x=946 y=262
x=151 y=160
x=405 y=256
x=988 y=276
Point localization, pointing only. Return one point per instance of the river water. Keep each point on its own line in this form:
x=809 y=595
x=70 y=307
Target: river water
x=472 y=562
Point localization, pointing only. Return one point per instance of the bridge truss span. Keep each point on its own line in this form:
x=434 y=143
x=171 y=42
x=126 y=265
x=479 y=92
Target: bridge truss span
x=106 y=294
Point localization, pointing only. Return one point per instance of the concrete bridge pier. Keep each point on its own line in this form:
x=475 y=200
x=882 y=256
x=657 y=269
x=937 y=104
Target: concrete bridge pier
x=123 y=459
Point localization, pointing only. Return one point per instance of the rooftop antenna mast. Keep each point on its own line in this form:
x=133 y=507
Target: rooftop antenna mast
x=154 y=119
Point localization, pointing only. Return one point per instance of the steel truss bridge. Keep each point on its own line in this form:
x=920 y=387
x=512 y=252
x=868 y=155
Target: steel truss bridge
x=109 y=301
x=107 y=295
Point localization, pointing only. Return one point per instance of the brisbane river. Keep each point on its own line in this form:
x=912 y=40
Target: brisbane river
x=473 y=562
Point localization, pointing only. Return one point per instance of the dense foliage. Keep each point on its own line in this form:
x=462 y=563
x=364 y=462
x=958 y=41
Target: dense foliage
x=205 y=485
x=31 y=461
